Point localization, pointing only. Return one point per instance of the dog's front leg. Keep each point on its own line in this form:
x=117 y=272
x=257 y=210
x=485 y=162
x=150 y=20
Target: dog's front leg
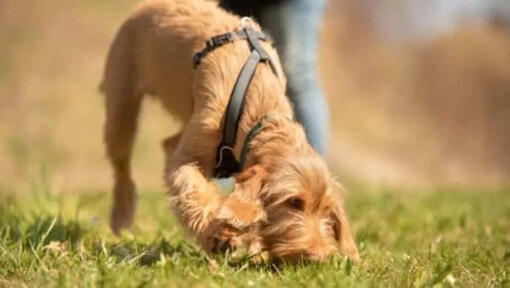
x=195 y=201
x=218 y=223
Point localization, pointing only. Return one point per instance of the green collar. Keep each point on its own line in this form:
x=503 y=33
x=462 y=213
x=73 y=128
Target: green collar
x=251 y=134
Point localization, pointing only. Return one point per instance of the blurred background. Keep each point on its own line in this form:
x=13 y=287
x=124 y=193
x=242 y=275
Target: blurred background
x=419 y=92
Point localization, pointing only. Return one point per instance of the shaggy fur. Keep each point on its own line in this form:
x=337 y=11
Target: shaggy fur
x=285 y=201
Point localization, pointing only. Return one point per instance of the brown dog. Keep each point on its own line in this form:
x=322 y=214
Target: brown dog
x=285 y=200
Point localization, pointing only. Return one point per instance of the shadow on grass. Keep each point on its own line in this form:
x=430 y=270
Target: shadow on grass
x=41 y=231
x=47 y=229
x=148 y=254
x=35 y=232
x=181 y=253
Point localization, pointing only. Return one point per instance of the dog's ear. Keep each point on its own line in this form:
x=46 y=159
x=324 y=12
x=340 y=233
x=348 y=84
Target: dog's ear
x=243 y=208
x=251 y=181
x=342 y=229
x=343 y=234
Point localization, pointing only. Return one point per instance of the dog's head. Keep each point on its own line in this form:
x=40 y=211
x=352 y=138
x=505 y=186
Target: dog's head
x=305 y=218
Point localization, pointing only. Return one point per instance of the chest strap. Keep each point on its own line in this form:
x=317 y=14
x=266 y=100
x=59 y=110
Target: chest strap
x=226 y=163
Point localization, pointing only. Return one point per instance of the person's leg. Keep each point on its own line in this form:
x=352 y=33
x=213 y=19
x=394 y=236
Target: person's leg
x=295 y=26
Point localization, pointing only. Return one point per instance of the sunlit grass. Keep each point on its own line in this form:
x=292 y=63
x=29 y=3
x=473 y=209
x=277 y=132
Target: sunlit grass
x=406 y=240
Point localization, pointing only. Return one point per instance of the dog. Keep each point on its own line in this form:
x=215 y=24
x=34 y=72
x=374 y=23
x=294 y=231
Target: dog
x=285 y=201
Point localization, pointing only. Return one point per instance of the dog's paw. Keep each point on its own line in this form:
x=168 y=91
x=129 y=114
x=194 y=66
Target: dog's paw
x=235 y=224
x=124 y=205
x=240 y=243
x=225 y=238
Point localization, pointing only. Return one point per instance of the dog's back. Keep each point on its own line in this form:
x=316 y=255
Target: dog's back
x=154 y=49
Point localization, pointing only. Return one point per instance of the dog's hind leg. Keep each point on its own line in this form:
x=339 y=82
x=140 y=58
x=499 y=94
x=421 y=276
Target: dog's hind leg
x=122 y=109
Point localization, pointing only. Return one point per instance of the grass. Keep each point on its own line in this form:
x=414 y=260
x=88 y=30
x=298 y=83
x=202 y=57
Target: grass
x=448 y=239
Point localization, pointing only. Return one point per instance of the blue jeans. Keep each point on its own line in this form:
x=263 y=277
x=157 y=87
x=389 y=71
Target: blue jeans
x=294 y=26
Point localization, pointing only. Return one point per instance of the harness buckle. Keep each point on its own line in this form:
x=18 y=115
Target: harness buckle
x=210 y=45
x=246 y=22
x=219 y=40
x=197 y=58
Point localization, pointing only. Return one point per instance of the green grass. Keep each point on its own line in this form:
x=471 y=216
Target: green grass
x=458 y=239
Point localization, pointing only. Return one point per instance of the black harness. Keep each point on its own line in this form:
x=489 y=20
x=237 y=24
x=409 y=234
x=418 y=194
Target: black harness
x=226 y=162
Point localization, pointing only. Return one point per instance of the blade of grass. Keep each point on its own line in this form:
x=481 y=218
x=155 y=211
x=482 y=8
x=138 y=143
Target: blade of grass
x=5 y=251
x=43 y=266
x=45 y=235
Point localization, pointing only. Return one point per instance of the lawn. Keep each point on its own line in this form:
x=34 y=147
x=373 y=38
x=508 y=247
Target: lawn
x=449 y=239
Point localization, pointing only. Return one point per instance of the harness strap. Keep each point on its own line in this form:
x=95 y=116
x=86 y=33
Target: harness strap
x=253 y=37
x=227 y=163
x=236 y=103
x=220 y=40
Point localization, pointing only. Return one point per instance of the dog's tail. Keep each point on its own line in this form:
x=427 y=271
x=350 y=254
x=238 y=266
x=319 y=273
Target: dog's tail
x=122 y=101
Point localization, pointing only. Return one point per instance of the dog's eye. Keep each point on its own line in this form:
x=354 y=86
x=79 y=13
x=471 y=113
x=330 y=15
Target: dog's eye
x=296 y=203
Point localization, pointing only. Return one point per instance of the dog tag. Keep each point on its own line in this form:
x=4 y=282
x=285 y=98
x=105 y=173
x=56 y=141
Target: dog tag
x=225 y=185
